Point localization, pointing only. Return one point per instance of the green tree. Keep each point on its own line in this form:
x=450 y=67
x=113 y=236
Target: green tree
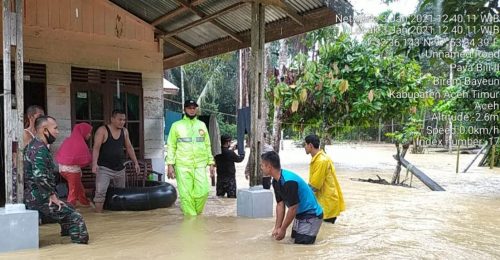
x=214 y=82
x=351 y=83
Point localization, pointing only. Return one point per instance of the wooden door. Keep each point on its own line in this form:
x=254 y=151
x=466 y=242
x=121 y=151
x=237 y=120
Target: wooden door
x=94 y=95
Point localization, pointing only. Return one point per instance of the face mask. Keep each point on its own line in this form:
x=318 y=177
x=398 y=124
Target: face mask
x=50 y=138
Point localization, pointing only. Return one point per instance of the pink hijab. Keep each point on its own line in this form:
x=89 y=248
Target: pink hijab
x=74 y=149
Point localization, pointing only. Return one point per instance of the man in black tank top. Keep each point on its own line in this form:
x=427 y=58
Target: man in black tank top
x=108 y=156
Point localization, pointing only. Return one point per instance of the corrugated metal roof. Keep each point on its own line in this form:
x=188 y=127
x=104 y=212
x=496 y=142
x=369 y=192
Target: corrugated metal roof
x=274 y=14
x=180 y=21
x=303 y=6
x=240 y=20
x=213 y=6
x=170 y=50
x=236 y=21
x=202 y=34
x=147 y=10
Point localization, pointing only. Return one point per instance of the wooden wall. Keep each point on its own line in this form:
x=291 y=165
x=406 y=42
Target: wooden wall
x=95 y=34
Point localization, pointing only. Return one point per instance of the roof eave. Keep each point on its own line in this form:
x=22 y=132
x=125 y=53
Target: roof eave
x=315 y=19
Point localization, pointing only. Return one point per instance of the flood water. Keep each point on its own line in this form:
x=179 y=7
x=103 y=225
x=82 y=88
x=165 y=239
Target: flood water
x=380 y=221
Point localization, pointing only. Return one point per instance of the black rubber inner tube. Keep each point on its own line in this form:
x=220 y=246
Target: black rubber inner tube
x=154 y=195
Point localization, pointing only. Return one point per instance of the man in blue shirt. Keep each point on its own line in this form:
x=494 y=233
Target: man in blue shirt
x=294 y=193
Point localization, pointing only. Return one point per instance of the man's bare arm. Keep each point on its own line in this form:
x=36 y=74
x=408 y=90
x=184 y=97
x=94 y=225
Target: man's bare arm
x=280 y=214
x=129 y=147
x=290 y=216
x=26 y=138
x=99 y=137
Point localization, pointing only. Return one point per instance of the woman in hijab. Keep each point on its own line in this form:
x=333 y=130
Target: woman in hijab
x=74 y=154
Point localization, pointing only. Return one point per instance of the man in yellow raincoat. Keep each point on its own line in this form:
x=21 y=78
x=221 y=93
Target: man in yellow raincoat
x=188 y=155
x=323 y=180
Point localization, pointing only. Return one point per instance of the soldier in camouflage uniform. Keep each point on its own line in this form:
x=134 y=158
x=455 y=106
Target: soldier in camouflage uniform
x=40 y=183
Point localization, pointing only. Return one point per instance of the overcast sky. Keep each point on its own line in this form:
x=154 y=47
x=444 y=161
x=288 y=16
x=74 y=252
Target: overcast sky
x=369 y=9
x=375 y=7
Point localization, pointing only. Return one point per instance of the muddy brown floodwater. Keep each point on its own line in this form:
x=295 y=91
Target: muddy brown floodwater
x=380 y=221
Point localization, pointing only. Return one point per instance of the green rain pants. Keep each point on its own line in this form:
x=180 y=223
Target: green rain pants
x=193 y=187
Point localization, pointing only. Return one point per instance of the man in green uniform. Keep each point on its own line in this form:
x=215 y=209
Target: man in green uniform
x=188 y=155
x=40 y=183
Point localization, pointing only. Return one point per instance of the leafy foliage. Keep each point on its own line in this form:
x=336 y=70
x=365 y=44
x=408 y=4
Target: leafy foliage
x=352 y=83
x=450 y=26
x=464 y=18
x=469 y=99
x=411 y=133
x=217 y=80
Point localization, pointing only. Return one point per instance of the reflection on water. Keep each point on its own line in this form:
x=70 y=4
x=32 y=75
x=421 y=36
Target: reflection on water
x=380 y=221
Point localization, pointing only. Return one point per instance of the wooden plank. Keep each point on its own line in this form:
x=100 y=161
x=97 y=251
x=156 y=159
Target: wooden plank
x=177 y=55
x=30 y=12
x=13 y=37
x=129 y=28
x=54 y=15
x=99 y=20
x=183 y=3
x=19 y=100
x=139 y=31
x=274 y=31
x=42 y=13
x=149 y=34
x=87 y=16
x=76 y=22
x=169 y=15
x=197 y=2
x=183 y=46
x=277 y=3
x=64 y=13
x=256 y=91
x=206 y=19
x=431 y=184
x=7 y=102
x=109 y=21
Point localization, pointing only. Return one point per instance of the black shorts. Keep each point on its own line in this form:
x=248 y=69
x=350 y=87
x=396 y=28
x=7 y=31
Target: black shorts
x=226 y=185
